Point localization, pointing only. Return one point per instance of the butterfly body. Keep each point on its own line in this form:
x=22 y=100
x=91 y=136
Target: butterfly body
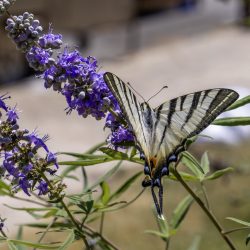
x=161 y=133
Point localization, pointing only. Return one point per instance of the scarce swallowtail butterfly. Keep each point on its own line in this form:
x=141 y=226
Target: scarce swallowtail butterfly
x=161 y=132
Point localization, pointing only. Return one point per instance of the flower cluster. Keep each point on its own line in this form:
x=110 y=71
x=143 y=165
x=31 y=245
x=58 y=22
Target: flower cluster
x=24 y=30
x=5 y=4
x=120 y=135
x=75 y=77
x=21 y=163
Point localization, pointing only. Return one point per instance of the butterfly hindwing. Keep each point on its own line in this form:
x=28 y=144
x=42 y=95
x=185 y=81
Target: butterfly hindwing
x=186 y=116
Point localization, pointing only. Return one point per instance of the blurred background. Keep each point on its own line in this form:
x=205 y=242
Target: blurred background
x=189 y=45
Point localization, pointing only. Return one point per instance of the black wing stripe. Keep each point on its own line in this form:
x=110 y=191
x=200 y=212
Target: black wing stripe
x=172 y=106
x=194 y=105
x=183 y=98
x=205 y=95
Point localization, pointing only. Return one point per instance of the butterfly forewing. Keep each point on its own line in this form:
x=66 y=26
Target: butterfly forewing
x=186 y=116
x=131 y=108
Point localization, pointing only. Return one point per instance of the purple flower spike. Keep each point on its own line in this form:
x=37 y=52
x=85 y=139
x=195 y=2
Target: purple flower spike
x=21 y=163
x=43 y=188
x=52 y=41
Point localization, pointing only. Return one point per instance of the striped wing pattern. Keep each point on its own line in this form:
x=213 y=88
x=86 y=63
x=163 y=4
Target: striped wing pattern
x=161 y=131
x=131 y=108
x=186 y=116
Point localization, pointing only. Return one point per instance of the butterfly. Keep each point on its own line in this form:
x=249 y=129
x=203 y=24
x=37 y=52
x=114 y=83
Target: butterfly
x=161 y=133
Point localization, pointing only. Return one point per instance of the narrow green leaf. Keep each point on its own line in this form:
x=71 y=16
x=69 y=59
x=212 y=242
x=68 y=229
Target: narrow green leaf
x=114 y=154
x=20 y=233
x=185 y=176
x=232 y=121
x=11 y=245
x=3 y=238
x=45 y=225
x=125 y=186
x=218 y=174
x=181 y=211
x=205 y=163
x=190 y=161
x=4 y=186
x=195 y=243
x=84 y=156
x=243 y=101
x=247 y=239
x=239 y=221
x=106 y=176
x=32 y=209
x=87 y=162
x=133 y=152
x=105 y=192
x=31 y=244
x=70 y=239
x=163 y=226
x=156 y=233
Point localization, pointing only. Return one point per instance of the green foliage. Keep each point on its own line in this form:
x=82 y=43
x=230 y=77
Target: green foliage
x=232 y=121
x=166 y=230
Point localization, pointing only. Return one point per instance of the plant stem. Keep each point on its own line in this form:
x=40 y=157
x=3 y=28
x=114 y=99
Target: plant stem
x=236 y=229
x=205 y=195
x=102 y=237
x=167 y=244
x=46 y=230
x=101 y=223
x=205 y=209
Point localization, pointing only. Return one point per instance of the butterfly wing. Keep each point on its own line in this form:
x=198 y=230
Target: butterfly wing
x=186 y=116
x=131 y=108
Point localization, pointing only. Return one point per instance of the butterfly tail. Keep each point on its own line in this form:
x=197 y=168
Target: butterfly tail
x=158 y=201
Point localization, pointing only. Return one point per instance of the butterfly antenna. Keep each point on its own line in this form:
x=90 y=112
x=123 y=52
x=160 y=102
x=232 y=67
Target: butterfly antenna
x=136 y=91
x=164 y=87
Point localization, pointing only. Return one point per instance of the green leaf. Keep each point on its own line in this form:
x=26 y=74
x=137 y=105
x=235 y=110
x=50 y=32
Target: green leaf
x=181 y=211
x=45 y=225
x=190 y=161
x=133 y=152
x=30 y=244
x=247 y=239
x=83 y=163
x=106 y=176
x=219 y=173
x=243 y=101
x=125 y=186
x=84 y=156
x=32 y=209
x=88 y=162
x=11 y=245
x=156 y=233
x=232 y=121
x=195 y=244
x=4 y=186
x=105 y=192
x=70 y=239
x=185 y=176
x=114 y=154
x=205 y=163
x=239 y=221
x=163 y=226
